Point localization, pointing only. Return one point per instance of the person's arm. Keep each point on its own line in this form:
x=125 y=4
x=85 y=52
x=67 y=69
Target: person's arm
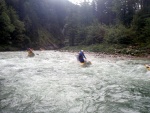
x=83 y=55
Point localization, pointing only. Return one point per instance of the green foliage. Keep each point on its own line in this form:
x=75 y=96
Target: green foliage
x=119 y=35
x=12 y=29
x=95 y=34
x=141 y=25
x=81 y=36
x=6 y=22
x=19 y=25
x=53 y=23
x=85 y=14
x=6 y=26
x=46 y=39
x=146 y=30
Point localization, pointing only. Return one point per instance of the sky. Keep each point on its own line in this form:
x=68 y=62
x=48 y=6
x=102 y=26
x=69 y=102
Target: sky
x=77 y=1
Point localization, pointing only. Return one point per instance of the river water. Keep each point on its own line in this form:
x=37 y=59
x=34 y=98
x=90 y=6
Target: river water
x=54 y=82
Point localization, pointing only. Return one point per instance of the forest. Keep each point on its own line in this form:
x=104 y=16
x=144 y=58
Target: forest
x=121 y=26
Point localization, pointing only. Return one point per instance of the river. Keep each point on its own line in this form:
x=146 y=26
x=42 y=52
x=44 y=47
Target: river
x=54 y=82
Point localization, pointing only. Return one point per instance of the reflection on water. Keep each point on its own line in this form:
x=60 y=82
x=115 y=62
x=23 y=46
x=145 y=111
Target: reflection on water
x=54 y=82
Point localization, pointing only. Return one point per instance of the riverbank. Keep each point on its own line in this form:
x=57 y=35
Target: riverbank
x=111 y=56
x=111 y=51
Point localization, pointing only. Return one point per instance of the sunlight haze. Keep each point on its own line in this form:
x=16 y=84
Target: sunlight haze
x=77 y=1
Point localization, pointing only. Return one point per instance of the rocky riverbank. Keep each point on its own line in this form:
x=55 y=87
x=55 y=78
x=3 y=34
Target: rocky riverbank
x=110 y=56
x=112 y=51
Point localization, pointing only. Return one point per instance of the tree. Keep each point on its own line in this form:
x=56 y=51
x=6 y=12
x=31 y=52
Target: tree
x=6 y=26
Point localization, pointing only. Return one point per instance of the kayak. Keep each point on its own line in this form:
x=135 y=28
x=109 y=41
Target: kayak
x=147 y=67
x=31 y=54
x=86 y=63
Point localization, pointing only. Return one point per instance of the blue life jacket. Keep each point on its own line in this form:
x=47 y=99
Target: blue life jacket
x=81 y=57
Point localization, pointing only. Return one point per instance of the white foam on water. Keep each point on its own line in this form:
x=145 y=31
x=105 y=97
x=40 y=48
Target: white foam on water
x=54 y=81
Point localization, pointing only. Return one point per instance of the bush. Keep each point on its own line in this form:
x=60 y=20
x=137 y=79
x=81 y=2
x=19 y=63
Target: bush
x=96 y=34
x=119 y=35
x=141 y=25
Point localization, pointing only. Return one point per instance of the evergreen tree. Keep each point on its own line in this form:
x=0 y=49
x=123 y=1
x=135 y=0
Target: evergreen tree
x=6 y=27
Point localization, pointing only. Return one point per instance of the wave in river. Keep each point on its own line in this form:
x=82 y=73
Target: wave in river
x=54 y=82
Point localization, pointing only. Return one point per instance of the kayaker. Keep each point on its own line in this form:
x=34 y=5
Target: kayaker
x=81 y=56
x=30 y=53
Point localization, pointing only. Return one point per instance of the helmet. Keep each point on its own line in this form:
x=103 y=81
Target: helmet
x=82 y=51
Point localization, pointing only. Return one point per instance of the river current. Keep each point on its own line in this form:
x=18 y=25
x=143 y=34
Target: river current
x=54 y=82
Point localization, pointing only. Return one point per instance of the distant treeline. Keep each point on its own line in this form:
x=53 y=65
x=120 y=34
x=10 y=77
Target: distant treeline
x=52 y=24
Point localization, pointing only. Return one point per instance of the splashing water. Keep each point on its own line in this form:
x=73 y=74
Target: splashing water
x=54 y=82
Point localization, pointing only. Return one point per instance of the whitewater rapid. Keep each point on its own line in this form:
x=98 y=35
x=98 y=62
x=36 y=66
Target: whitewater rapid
x=54 y=82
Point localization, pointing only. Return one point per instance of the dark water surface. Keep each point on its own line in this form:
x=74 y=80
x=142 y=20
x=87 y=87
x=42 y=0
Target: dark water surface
x=54 y=82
